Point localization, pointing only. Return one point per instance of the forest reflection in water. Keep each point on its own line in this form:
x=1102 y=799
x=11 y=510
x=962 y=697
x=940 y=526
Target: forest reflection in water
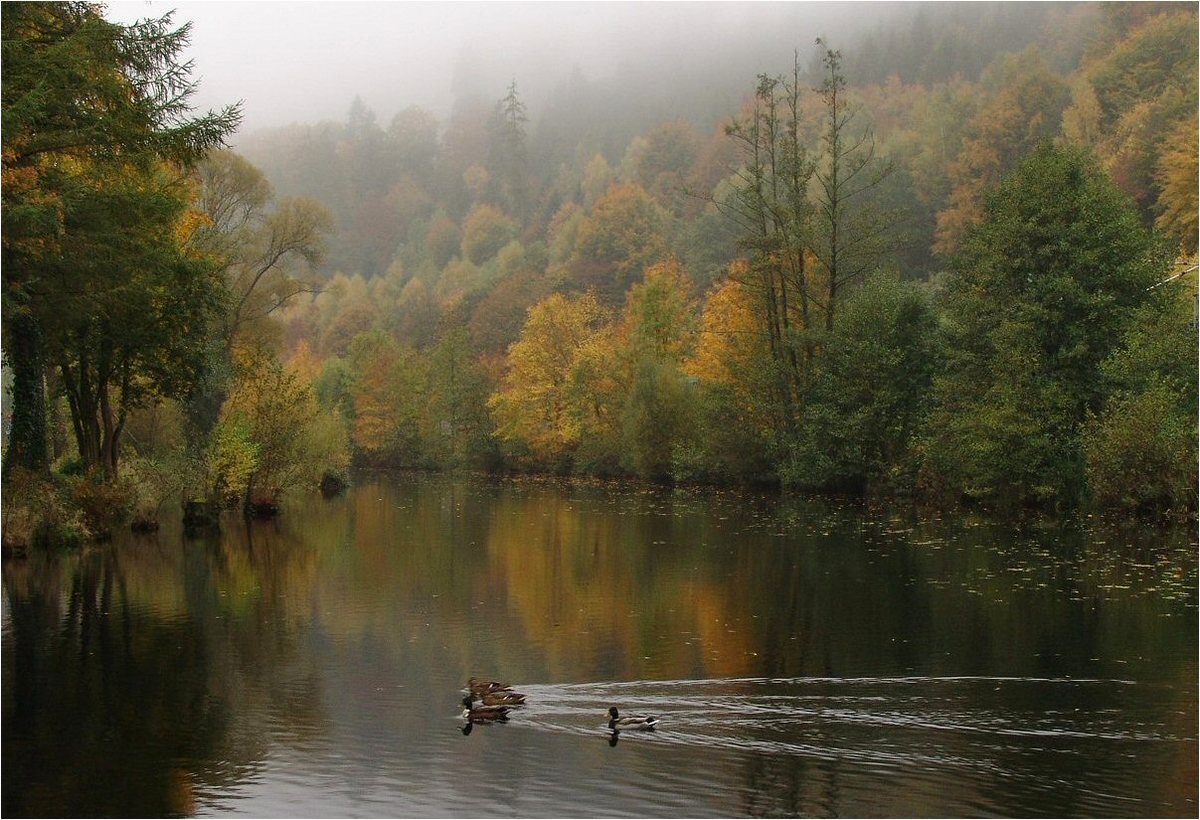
x=805 y=658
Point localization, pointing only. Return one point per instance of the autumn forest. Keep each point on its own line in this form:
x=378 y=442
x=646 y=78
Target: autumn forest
x=951 y=261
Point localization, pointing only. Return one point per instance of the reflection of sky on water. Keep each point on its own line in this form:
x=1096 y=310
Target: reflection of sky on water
x=803 y=659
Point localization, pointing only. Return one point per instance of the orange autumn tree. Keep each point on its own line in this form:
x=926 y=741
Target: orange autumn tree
x=622 y=236
x=1025 y=109
x=388 y=383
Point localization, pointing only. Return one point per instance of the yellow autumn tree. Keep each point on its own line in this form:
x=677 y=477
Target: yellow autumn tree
x=1178 y=180
x=731 y=351
x=1136 y=99
x=544 y=401
x=623 y=235
x=272 y=437
x=485 y=231
x=658 y=312
x=305 y=362
x=729 y=340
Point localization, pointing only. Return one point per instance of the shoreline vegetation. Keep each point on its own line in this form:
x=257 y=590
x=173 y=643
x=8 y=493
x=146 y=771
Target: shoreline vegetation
x=65 y=513
x=949 y=287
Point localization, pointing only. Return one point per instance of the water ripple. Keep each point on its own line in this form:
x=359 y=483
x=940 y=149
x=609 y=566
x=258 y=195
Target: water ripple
x=742 y=713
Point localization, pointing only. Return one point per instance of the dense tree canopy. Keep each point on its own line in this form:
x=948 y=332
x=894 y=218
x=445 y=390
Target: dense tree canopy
x=938 y=264
x=96 y=124
x=1038 y=297
x=795 y=214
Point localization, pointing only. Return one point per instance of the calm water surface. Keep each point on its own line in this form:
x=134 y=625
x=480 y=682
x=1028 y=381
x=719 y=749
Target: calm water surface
x=804 y=659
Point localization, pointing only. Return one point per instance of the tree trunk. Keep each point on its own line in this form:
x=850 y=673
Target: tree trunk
x=27 y=442
x=83 y=399
x=113 y=425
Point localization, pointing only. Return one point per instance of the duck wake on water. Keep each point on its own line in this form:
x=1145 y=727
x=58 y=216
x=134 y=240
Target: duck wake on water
x=889 y=721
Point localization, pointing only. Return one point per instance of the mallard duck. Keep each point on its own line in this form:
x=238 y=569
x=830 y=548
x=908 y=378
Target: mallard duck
x=476 y=714
x=643 y=722
x=502 y=698
x=479 y=688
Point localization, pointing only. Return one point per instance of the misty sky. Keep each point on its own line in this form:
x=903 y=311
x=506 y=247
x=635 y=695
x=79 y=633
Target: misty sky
x=306 y=61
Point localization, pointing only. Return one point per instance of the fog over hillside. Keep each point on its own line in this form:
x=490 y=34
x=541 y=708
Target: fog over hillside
x=306 y=62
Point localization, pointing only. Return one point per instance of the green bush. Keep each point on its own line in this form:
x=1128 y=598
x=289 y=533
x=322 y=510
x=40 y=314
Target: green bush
x=870 y=395
x=1141 y=452
x=656 y=416
x=37 y=514
x=103 y=504
x=724 y=444
x=1140 y=447
x=151 y=482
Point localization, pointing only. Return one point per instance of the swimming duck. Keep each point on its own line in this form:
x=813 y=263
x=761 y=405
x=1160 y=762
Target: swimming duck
x=478 y=687
x=475 y=714
x=502 y=698
x=643 y=722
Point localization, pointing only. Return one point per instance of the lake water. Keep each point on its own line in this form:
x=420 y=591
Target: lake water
x=804 y=659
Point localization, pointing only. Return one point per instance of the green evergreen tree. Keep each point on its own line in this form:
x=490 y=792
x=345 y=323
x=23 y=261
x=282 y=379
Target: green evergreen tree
x=850 y=233
x=84 y=100
x=507 y=154
x=457 y=426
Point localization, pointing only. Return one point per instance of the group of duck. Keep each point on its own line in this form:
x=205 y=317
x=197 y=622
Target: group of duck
x=497 y=699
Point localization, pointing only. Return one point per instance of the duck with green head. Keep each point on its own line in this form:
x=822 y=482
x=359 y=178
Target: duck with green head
x=482 y=714
x=644 y=723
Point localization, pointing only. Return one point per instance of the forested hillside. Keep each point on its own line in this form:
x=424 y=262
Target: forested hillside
x=952 y=256
x=577 y=288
